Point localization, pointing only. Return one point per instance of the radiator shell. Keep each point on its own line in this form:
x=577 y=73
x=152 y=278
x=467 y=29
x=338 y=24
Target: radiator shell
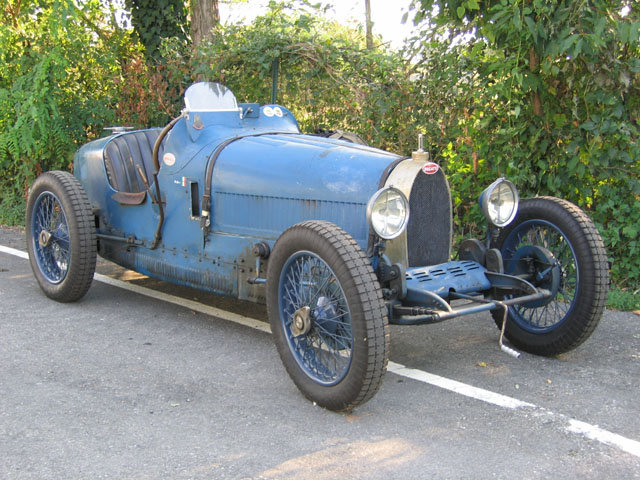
x=427 y=239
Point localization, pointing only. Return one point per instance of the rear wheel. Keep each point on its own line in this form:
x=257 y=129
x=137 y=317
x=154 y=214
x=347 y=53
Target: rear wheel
x=556 y=246
x=61 y=238
x=327 y=315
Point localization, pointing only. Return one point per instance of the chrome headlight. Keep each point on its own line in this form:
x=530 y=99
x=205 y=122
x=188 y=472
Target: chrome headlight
x=499 y=202
x=388 y=212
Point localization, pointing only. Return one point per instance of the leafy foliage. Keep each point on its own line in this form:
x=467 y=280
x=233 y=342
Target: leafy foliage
x=547 y=93
x=154 y=20
x=61 y=81
x=326 y=76
x=626 y=300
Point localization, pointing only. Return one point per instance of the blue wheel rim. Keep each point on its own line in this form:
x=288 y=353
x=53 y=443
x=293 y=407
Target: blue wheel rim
x=549 y=317
x=50 y=237
x=324 y=353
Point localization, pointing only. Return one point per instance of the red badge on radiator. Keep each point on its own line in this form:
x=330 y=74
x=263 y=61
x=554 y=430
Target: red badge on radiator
x=430 y=168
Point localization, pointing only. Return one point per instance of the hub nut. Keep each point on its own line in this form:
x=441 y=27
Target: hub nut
x=301 y=321
x=44 y=238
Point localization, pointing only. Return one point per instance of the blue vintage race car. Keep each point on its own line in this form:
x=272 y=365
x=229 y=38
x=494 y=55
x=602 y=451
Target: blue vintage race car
x=338 y=238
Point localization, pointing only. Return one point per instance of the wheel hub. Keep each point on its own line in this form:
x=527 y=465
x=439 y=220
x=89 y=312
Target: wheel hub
x=544 y=268
x=44 y=238
x=301 y=321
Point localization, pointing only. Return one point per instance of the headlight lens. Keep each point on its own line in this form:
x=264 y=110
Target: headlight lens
x=388 y=212
x=499 y=202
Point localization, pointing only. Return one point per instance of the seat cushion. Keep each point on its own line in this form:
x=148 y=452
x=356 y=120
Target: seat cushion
x=124 y=153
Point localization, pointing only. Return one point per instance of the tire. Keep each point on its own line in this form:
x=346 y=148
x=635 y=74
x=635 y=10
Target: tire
x=340 y=360
x=578 y=277
x=341 y=135
x=61 y=238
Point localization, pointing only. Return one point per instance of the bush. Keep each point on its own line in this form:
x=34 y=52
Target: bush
x=546 y=93
x=62 y=79
x=326 y=76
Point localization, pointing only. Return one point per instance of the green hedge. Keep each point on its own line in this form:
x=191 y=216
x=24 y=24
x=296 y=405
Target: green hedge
x=537 y=93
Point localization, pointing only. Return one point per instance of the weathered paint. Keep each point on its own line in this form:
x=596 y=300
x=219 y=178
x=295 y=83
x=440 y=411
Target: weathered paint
x=261 y=186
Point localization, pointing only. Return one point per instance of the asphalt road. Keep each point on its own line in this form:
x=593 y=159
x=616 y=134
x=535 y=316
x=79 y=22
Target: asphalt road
x=123 y=386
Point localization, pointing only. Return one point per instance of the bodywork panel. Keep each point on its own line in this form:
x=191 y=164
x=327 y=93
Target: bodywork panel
x=270 y=178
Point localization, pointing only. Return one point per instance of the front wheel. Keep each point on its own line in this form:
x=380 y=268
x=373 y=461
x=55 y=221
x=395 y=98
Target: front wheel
x=556 y=246
x=61 y=238
x=327 y=315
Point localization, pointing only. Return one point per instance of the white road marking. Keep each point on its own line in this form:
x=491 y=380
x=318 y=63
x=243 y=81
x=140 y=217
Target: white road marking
x=569 y=425
x=458 y=387
x=14 y=252
x=183 y=302
x=604 y=436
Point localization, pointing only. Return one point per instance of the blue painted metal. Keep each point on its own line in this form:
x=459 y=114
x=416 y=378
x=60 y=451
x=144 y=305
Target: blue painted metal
x=52 y=257
x=261 y=186
x=267 y=179
x=462 y=276
x=324 y=353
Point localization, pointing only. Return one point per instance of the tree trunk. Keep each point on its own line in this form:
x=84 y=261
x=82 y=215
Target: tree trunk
x=204 y=16
x=368 y=24
x=534 y=61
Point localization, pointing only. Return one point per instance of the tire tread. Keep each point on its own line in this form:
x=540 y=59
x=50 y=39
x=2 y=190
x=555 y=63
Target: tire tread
x=82 y=262
x=594 y=277
x=353 y=264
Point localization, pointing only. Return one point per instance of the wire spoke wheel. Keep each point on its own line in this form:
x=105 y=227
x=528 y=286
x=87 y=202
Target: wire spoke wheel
x=327 y=315
x=324 y=352
x=541 y=233
x=554 y=245
x=50 y=234
x=61 y=238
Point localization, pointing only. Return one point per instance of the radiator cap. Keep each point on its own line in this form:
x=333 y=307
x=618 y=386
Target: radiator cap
x=420 y=155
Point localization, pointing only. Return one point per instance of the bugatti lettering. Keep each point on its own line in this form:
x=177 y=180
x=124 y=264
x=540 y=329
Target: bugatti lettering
x=339 y=239
x=430 y=168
